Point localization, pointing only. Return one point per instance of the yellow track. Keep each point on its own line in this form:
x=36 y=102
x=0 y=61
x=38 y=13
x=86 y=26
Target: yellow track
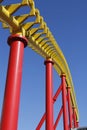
x=40 y=38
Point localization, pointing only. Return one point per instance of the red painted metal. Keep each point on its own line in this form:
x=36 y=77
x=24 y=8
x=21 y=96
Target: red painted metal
x=69 y=107
x=58 y=118
x=77 y=124
x=10 y=109
x=57 y=93
x=44 y=116
x=41 y=122
x=49 y=95
x=64 y=101
x=74 y=116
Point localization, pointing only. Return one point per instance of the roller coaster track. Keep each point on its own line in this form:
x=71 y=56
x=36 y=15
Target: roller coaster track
x=40 y=39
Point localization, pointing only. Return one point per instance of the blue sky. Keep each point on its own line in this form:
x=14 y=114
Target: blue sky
x=67 y=21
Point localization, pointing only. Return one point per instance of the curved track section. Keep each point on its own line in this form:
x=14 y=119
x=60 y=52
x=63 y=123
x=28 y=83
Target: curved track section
x=39 y=36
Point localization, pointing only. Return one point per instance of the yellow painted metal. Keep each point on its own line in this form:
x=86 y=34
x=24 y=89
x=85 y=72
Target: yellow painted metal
x=39 y=36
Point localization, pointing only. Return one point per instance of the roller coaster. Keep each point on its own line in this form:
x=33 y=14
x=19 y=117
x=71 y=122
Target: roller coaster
x=36 y=35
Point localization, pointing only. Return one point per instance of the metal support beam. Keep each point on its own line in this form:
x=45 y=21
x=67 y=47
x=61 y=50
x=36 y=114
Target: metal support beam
x=77 y=124
x=41 y=122
x=69 y=107
x=10 y=109
x=64 y=101
x=58 y=118
x=57 y=93
x=49 y=95
x=74 y=117
x=54 y=99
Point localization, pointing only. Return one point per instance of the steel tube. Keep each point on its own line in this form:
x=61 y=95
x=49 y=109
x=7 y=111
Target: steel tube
x=10 y=109
x=64 y=101
x=44 y=116
x=58 y=118
x=49 y=95
x=69 y=107
x=74 y=116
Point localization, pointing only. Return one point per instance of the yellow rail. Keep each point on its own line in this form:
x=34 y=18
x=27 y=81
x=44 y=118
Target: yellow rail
x=39 y=36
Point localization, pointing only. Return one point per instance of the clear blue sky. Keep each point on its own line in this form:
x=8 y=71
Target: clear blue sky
x=67 y=21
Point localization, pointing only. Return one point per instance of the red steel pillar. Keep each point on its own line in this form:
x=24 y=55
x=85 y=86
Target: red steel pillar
x=64 y=101
x=74 y=116
x=10 y=109
x=77 y=124
x=69 y=107
x=49 y=95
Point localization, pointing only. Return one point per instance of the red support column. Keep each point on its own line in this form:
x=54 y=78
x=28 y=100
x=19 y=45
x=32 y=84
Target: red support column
x=44 y=116
x=74 y=116
x=77 y=124
x=69 y=107
x=10 y=109
x=49 y=95
x=64 y=100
